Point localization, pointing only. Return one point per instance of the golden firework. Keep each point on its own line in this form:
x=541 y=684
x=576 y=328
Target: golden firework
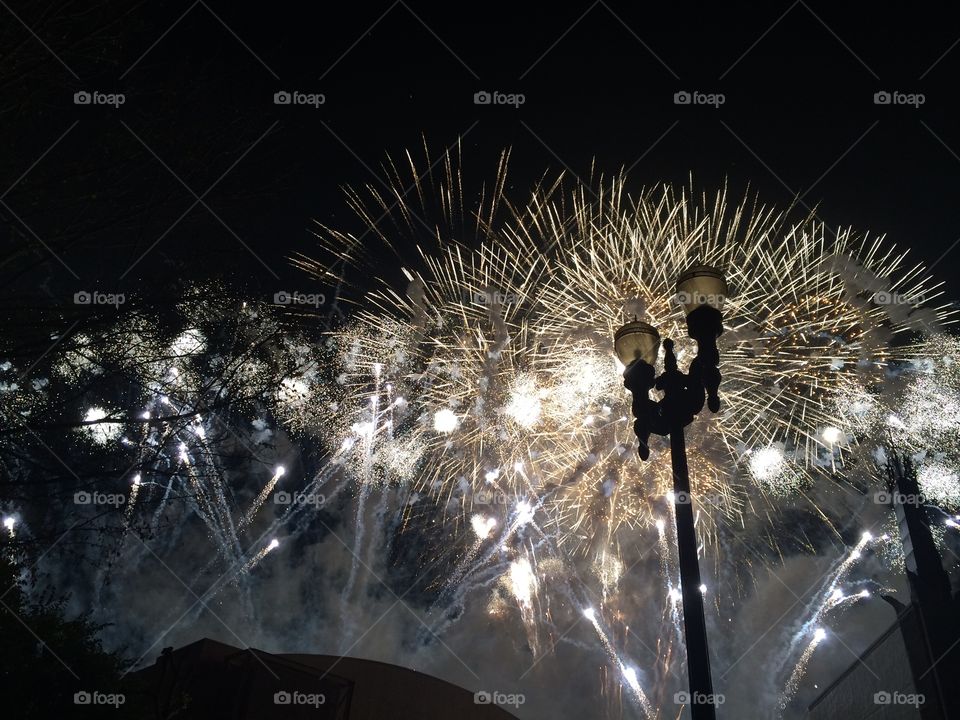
x=492 y=374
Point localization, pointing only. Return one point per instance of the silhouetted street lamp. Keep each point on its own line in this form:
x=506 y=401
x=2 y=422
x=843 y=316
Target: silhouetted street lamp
x=701 y=291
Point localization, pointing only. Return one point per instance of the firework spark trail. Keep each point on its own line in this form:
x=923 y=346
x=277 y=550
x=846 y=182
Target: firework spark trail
x=671 y=635
x=147 y=438
x=346 y=605
x=499 y=564
x=201 y=502
x=209 y=497
x=159 y=438
x=664 y=553
x=161 y=506
x=239 y=567
x=840 y=601
x=669 y=572
x=131 y=501
x=262 y=497
x=207 y=510
x=287 y=520
x=793 y=682
x=628 y=673
x=827 y=595
x=210 y=503
x=261 y=554
x=609 y=570
x=522 y=515
x=485 y=578
x=220 y=488
x=380 y=511
x=824 y=599
x=525 y=585
x=367 y=432
x=234 y=575
x=491 y=571
x=517 y=573
x=224 y=516
x=482 y=526
x=380 y=514
x=213 y=483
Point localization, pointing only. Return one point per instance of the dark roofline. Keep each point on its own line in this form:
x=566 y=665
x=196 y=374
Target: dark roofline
x=294 y=659
x=329 y=664
x=339 y=659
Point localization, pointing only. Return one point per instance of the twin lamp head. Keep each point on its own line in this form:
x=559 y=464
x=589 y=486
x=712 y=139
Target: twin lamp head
x=701 y=291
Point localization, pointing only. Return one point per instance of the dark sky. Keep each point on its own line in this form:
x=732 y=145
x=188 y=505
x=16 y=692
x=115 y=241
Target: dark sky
x=599 y=80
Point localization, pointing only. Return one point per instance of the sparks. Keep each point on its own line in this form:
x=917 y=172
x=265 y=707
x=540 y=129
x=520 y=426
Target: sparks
x=832 y=435
x=528 y=359
x=445 y=421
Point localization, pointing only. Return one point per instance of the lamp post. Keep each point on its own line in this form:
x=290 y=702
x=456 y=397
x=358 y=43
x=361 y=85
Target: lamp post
x=701 y=290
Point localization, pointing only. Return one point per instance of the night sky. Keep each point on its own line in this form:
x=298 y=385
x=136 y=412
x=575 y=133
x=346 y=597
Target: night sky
x=200 y=175
x=798 y=119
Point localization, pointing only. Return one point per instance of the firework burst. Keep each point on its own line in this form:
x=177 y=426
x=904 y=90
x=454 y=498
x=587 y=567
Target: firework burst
x=500 y=346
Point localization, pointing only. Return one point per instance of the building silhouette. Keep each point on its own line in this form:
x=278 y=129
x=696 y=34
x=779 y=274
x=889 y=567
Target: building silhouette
x=215 y=681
